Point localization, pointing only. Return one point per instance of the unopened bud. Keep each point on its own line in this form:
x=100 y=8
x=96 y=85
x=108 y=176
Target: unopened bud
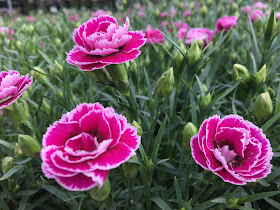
x=263 y=107
x=179 y=57
x=7 y=164
x=17 y=150
x=261 y=75
x=17 y=112
x=57 y=42
x=139 y=129
x=39 y=74
x=19 y=45
x=130 y=169
x=189 y=130
x=100 y=75
x=241 y=72
x=100 y=194
x=194 y=53
x=205 y=100
x=271 y=92
x=118 y=74
x=47 y=108
x=232 y=202
x=203 y=10
x=58 y=69
x=28 y=145
x=165 y=84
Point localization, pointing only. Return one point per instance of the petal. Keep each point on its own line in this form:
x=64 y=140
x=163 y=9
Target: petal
x=232 y=137
x=202 y=133
x=260 y=175
x=79 y=182
x=103 y=51
x=135 y=43
x=96 y=124
x=211 y=131
x=130 y=138
x=121 y=30
x=49 y=166
x=227 y=177
x=120 y=57
x=115 y=127
x=45 y=170
x=10 y=80
x=98 y=176
x=7 y=93
x=197 y=154
x=91 y=67
x=82 y=142
x=77 y=57
x=58 y=133
x=113 y=157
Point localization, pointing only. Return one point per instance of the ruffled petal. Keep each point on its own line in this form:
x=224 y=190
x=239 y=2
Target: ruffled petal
x=135 y=43
x=93 y=66
x=130 y=138
x=77 y=57
x=120 y=57
x=197 y=154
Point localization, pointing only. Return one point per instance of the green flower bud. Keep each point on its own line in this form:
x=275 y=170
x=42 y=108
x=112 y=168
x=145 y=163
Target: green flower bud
x=17 y=150
x=191 y=5
x=118 y=74
x=100 y=194
x=57 y=42
x=157 y=12
x=7 y=164
x=17 y=112
x=261 y=75
x=179 y=58
x=58 y=69
x=241 y=72
x=28 y=145
x=100 y=75
x=165 y=84
x=194 y=53
x=46 y=108
x=263 y=107
x=203 y=10
x=19 y=45
x=232 y=202
x=139 y=129
x=30 y=29
x=130 y=169
x=271 y=92
x=39 y=74
x=189 y=130
x=205 y=100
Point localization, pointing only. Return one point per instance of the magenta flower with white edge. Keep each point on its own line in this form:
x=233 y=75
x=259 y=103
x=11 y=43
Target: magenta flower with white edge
x=153 y=35
x=12 y=85
x=80 y=149
x=225 y=23
x=232 y=148
x=101 y=41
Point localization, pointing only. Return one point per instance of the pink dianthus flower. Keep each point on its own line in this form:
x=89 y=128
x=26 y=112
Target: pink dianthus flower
x=31 y=19
x=12 y=85
x=187 y=13
x=80 y=148
x=163 y=14
x=202 y=35
x=260 y=5
x=232 y=148
x=73 y=18
x=101 y=41
x=225 y=23
x=256 y=14
x=246 y=9
x=153 y=35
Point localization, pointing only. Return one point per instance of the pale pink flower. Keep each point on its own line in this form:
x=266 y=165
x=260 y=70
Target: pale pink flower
x=197 y=5
x=99 y=12
x=232 y=148
x=7 y=30
x=164 y=23
x=173 y=12
x=180 y=24
x=42 y=44
x=141 y=14
x=101 y=41
x=80 y=149
x=31 y=19
x=260 y=5
x=246 y=9
x=186 y=6
x=202 y=35
x=153 y=35
x=225 y=23
x=256 y=14
x=277 y=15
x=163 y=15
x=187 y=13
x=73 y=18
x=12 y=85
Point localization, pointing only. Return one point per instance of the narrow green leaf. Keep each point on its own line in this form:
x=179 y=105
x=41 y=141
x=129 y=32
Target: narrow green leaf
x=270 y=122
x=6 y=144
x=11 y=172
x=269 y=26
x=263 y=183
x=3 y=205
x=23 y=202
x=273 y=203
x=219 y=200
x=56 y=192
x=177 y=46
x=26 y=192
x=178 y=193
x=46 y=58
x=161 y=203
x=257 y=196
x=158 y=140
x=233 y=105
x=23 y=161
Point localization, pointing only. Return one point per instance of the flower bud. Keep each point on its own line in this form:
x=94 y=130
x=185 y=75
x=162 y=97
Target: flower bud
x=194 y=53
x=19 y=45
x=39 y=74
x=100 y=194
x=30 y=29
x=28 y=145
x=139 y=129
x=7 y=164
x=17 y=150
x=203 y=10
x=241 y=72
x=58 y=69
x=165 y=84
x=189 y=130
x=130 y=169
x=178 y=58
x=263 y=107
x=205 y=100
x=118 y=74
x=57 y=42
x=47 y=108
x=232 y=202
x=271 y=92
x=261 y=75
x=100 y=75
x=17 y=112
